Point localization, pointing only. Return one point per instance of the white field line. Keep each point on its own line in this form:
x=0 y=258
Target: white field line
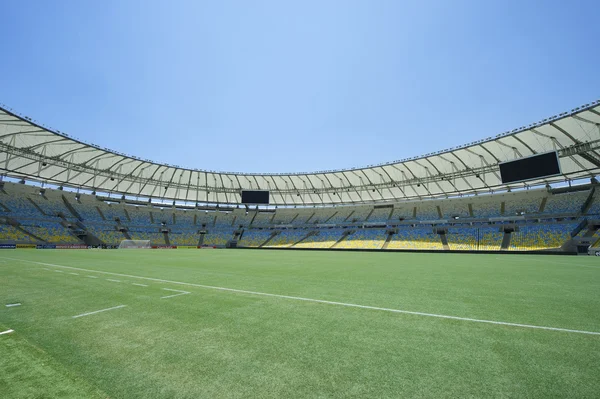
x=12 y=305
x=58 y=271
x=297 y=298
x=98 y=311
x=170 y=289
x=74 y=274
x=6 y=332
x=139 y=285
x=91 y=276
x=114 y=281
x=171 y=296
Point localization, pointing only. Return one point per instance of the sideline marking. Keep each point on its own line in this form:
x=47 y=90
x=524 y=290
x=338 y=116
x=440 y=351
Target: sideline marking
x=139 y=285
x=74 y=274
x=98 y=311
x=297 y=298
x=171 y=296
x=91 y=276
x=12 y=305
x=58 y=271
x=114 y=281
x=6 y=332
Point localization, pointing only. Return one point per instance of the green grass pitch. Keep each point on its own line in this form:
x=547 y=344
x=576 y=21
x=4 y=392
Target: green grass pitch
x=213 y=343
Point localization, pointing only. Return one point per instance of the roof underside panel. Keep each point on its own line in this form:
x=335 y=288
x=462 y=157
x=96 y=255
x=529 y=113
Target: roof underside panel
x=31 y=151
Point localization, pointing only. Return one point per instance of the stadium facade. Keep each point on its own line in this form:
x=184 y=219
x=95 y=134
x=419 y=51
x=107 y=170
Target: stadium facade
x=449 y=200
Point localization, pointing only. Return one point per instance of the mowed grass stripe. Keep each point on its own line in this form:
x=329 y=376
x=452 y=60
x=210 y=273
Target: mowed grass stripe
x=297 y=298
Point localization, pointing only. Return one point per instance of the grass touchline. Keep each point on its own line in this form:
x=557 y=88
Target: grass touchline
x=297 y=298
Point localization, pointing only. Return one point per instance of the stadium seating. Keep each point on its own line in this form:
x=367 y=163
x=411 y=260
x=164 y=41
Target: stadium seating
x=452 y=208
x=542 y=236
x=485 y=209
x=10 y=234
x=113 y=212
x=88 y=211
x=187 y=238
x=50 y=206
x=472 y=239
x=107 y=234
x=364 y=239
x=254 y=238
x=38 y=216
x=594 y=208
x=325 y=238
x=516 y=206
x=138 y=216
x=427 y=211
x=570 y=203
x=341 y=215
x=20 y=206
x=402 y=213
x=359 y=215
x=263 y=219
x=218 y=236
x=323 y=215
x=49 y=231
x=415 y=238
x=379 y=215
x=288 y=237
x=284 y=216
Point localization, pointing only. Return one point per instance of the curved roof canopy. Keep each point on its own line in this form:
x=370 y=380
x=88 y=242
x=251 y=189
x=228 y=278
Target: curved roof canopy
x=30 y=151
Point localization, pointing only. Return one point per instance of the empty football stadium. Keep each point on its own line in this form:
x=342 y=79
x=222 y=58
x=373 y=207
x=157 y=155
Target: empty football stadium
x=367 y=294
x=340 y=199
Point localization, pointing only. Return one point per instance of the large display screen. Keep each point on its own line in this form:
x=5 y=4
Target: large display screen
x=529 y=168
x=255 y=197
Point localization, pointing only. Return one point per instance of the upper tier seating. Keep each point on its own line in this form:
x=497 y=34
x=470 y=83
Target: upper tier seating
x=427 y=211
x=402 y=213
x=452 y=208
x=263 y=219
x=514 y=206
x=379 y=215
x=486 y=209
x=359 y=215
x=342 y=215
x=138 y=216
x=570 y=203
x=225 y=219
x=87 y=211
x=19 y=206
x=51 y=206
x=323 y=215
x=113 y=212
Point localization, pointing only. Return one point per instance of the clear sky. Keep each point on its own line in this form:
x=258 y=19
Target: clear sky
x=293 y=86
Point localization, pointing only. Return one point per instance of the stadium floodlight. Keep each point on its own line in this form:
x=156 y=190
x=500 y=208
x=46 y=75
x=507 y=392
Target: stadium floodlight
x=135 y=244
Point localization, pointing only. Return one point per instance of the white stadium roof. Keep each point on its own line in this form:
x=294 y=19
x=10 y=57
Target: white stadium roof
x=31 y=151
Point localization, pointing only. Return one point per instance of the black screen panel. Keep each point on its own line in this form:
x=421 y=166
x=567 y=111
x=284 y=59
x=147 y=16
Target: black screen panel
x=255 y=197
x=534 y=167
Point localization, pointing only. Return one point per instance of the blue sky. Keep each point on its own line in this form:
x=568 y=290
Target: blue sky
x=272 y=86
